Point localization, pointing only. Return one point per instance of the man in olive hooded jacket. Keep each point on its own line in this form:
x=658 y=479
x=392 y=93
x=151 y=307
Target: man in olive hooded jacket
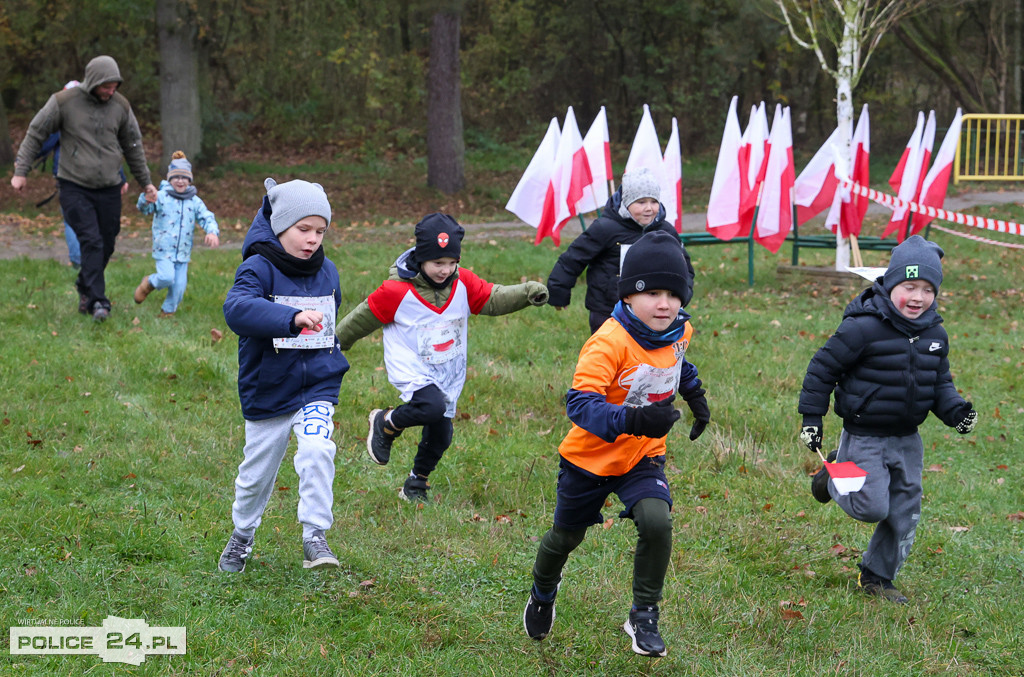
x=97 y=128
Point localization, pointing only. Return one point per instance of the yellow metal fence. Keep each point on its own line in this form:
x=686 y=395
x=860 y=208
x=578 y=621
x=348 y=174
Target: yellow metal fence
x=991 y=148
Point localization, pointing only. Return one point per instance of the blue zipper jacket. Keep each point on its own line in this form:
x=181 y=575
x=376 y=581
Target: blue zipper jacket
x=173 y=222
x=276 y=382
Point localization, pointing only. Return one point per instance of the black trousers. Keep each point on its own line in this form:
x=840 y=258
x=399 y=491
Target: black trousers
x=95 y=216
x=426 y=408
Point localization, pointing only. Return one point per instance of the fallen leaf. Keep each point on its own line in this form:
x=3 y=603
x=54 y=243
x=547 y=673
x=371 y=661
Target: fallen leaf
x=959 y=529
x=18 y=469
x=503 y=519
x=30 y=571
x=216 y=334
x=701 y=509
x=1016 y=516
x=483 y=418
x=837 y=550
x=935 y=467
x=792 y=615
x=609 y=523
x=368 y=583
x=284 y=488
x=323 y=651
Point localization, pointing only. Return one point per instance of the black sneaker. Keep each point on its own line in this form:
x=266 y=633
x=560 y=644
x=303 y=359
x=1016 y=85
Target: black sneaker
x=876 y=586
x=316 y=553
x=642 y=627
x=83 y=304
x=235 y=554
x=415 y=489
x=538 y=617
x=100 y=313
x=819 y=483
x=380 y=437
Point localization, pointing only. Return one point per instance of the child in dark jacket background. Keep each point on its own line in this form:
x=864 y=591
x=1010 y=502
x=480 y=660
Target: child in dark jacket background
x=634 y=209
x=283 y=306
x=888 y=363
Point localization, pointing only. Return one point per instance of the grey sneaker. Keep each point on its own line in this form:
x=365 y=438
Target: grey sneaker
x=99 y=313
x=235 y=554
x=819 y=483
x=538 y=617
x=415 y=489
x=317 y=553
x=642 y=627
x=380 y=437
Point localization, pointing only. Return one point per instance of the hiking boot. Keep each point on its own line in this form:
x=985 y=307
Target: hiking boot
x=380 y=437
x=235 y=554
x=143 y=290
x=415 y=489
x=876 y=586
x=317 y=554
x=642 y=627
x=538 y=616
x=83 y=304
x=99 y=313
x=819 y=483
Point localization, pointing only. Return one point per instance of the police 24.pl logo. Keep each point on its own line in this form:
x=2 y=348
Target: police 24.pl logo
x=118 y=640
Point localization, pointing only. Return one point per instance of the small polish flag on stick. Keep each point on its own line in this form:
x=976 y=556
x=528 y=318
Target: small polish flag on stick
x=848 y=477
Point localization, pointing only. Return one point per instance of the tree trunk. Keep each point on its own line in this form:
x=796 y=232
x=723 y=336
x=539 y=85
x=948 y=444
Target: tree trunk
x=180 y=122
x=445 y=146
x=6 y=146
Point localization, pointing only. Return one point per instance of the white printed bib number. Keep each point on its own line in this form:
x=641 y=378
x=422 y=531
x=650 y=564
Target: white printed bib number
x=321 y=336
x=647 y=384
x=440 y=342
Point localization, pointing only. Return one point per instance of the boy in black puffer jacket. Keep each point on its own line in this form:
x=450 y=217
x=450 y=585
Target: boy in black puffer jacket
x=634 y=209
x=888 y=365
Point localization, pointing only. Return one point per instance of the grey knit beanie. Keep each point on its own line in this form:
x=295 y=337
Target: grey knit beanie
x=638 y=184
x=295 y=200
x=914 y=258
x=180 y=166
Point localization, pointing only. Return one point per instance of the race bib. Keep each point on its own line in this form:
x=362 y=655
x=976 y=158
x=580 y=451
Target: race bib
x=310 y=339
x=440 y=342
x=647 y=384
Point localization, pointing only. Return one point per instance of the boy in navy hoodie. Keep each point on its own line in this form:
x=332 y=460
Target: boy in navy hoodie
x=283 y=306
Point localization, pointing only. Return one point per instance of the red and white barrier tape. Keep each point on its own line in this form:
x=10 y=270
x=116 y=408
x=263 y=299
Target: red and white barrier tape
x=894 y=202
x=978 y=238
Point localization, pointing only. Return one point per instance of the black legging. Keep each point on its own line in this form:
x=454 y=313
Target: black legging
x=426 y=408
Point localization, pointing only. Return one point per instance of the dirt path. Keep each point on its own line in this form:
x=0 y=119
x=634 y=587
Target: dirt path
x=43 y=237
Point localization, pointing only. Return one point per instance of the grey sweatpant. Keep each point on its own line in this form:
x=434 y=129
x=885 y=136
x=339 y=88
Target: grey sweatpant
x=265 y=444
x=891 y=495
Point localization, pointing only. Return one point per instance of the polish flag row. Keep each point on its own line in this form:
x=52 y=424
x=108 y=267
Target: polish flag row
x=571 y=174
x=755 y=171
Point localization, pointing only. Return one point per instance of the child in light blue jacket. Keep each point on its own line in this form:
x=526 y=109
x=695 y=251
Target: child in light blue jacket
x=176 y=213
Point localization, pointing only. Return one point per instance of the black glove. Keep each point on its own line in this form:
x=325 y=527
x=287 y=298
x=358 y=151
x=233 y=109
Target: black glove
x=699 y=406
x=810 y=434
x=970 y=418
x=654 y=420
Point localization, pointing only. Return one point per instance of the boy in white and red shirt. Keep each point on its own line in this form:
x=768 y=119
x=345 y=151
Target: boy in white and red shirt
x=620 y=405
x=423 y=309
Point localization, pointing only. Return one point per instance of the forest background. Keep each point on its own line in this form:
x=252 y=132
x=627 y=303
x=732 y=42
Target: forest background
x=339 y=89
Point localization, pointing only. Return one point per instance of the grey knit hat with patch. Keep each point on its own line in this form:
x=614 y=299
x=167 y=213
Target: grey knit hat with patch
x=640 y=183
x=293 y=201
x=914 y=258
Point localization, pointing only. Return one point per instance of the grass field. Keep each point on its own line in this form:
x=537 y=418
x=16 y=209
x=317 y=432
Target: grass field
x=119 y=444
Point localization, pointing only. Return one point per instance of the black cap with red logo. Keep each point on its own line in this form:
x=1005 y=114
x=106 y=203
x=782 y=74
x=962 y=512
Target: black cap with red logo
x=437 y=236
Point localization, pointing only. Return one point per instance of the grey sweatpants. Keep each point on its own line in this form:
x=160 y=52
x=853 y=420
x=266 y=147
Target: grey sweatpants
x=265 y=444
x=891 y=495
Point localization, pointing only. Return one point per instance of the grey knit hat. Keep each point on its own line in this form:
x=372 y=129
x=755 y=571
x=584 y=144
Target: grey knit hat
x=640 y=183
x=180 y=166
x=295 y=200
x=914 y=258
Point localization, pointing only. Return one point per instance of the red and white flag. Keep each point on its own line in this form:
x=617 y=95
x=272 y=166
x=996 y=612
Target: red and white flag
x=848 y=477
x=906 y=178
x=672 y=180
x=933 y=190
x=533 y=199
x=855 y=206
x=775 y=216
x=646 y=150
x=723 y=219
x=815 y=188
x=599 y=156
x=753 y=151
x=572 y=174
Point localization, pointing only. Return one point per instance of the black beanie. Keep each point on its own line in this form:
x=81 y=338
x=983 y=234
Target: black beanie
x=438 y=235
x=914 y=258
x=655 y=261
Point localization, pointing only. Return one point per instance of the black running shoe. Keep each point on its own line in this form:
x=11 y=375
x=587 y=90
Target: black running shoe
x=415 y=489
x=876 y=586
x=642 y=627
x=819 y=483
x=380 y=437
x=538 y=617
